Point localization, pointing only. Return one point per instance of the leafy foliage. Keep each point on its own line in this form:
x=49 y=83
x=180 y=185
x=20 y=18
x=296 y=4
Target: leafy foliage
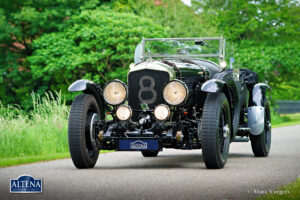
x=271 y=21
x=46 y=45
x=264 y=36
x=181 y=19
x=21 y=22
x=98 y=45
x=273 y=64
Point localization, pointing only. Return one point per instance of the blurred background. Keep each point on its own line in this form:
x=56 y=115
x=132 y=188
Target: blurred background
x=46 y=45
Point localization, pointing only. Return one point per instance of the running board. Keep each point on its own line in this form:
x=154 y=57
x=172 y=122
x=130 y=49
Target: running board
x=240 y=139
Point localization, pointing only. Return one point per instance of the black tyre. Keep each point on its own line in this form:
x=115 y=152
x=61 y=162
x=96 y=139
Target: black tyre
x=150 y=153
x=83 y=143
x=261 y=144
x=215 y=130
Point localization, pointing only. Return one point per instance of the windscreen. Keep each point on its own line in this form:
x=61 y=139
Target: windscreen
x=172 y=48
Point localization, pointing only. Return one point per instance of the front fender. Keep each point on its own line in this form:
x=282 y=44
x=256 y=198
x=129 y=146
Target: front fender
x=224 y=82
x=256 y=119
x=89 y=87
x=213 y=85
x=80 y=85
x=256 y=113
x=259 y=94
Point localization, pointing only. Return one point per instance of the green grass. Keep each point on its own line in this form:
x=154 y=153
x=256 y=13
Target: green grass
x=5 y=162
x=290 y=191
x=40 y=133
x=285 y=120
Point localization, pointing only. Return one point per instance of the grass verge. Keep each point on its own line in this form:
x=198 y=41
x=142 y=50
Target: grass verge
x=43 y=131
x=40 y=135
x=290 y=191
x=285 y=120
x=6 y=162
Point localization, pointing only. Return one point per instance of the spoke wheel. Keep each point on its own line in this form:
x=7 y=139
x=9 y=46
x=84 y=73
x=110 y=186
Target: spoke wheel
x=215 y=130
x=83 y=142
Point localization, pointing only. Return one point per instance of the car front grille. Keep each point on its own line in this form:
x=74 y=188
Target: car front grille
x=145 y=87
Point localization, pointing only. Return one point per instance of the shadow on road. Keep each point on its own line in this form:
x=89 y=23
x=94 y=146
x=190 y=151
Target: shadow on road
x=165 y=161
x=239 y=155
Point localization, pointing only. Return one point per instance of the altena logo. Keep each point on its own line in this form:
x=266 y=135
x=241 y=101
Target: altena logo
x=138 y=144
x=26 y=184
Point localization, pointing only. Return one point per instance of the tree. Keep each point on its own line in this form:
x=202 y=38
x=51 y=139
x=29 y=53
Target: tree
x=97 y=45
x=21 y=22
x=263 y=36
x=268 y=21
x=182 y=20
x=273 y=64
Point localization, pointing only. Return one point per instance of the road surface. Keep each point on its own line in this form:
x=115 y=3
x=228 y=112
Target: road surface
x=174 y=174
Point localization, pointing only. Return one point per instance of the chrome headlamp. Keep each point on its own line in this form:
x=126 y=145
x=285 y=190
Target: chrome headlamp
x=115 y=92
x=175 y=92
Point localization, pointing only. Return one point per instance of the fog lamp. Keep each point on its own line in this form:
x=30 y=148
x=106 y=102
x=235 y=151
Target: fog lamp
x=123 y=112
x=162 y=112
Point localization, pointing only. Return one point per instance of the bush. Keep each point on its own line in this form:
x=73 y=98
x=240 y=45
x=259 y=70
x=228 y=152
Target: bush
x=97 y=45
x=20 y=23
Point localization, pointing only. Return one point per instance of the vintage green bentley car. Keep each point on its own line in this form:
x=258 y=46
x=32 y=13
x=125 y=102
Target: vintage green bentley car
x=174 y=98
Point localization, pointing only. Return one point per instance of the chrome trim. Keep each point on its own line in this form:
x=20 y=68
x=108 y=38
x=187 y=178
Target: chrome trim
x=154 y=65
x=95 y=118
x=226 y=131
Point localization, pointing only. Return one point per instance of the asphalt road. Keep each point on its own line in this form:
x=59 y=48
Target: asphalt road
x=174 y=174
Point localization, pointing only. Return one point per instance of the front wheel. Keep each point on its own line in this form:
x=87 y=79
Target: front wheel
x=215 y=130
x=261 y=144
x=83 y=141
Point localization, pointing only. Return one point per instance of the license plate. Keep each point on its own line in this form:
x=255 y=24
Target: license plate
x=138 y=145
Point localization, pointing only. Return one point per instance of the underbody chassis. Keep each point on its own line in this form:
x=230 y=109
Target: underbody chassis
x=122 y=136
